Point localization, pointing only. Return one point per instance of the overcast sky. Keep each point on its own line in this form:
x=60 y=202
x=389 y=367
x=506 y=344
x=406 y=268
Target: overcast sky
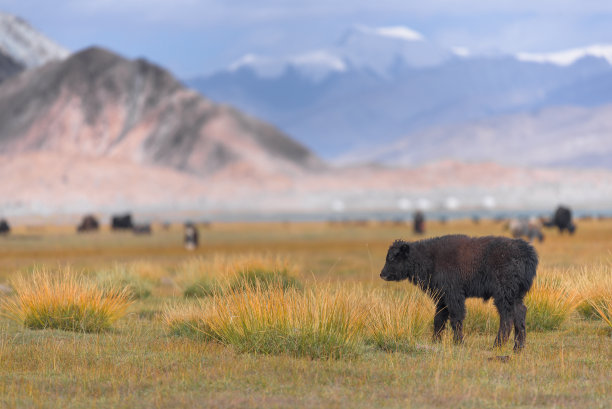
x=192 y=37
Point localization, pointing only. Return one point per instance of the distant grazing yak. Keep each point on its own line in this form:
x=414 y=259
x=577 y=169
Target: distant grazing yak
x=191 y=238
x=452 y=268
x=419 y=222
x=562 y=219
x=122 y=222
x=142 y=228
x=89 y=223
x=4 y=227
x=531 y=229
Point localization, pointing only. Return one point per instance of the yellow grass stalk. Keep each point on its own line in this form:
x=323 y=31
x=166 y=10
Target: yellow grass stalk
x=319 y=323
x=549 y=304
x=396 y=319
x=593 y=289
x=63 y=300
x=202 y=277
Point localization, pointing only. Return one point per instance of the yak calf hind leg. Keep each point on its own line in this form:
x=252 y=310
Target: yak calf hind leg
x=505 y=326
x=439 y=321
x=520 y=311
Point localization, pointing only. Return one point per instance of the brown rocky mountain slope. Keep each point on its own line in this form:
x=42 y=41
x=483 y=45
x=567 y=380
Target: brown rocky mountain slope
x=100 y=105
x=100 y=133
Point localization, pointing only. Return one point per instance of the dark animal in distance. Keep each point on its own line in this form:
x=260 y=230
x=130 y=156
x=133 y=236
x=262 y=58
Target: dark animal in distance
x=191 y=236
x=122 y=222
x=452 y=268
x=142 y=229
x=4 y=227
x=89 y=223
x=562 y=219
x=419 y=222
x=531 y=229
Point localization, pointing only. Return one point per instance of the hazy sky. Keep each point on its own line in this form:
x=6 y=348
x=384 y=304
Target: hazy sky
x=192 y=37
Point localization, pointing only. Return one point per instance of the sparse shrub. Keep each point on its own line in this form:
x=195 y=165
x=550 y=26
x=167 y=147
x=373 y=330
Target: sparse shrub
x=549 y=304
x=64 y=300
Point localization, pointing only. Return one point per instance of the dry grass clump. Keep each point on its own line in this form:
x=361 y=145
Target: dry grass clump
x=149 y=271
x=124 y=278
x=204 y=287
x=320 y=323
x=203 y=277
x=593 y=289
x=481 y=316
x=396 y=319
x=63 y=300
x=549 y=304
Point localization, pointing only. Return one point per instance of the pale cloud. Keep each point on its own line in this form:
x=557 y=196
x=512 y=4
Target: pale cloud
x=216 y=32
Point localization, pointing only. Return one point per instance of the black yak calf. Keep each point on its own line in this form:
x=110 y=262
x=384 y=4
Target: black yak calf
x=453 y=268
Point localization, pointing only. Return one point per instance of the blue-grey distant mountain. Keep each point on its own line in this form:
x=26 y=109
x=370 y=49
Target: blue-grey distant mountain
x=394 y=88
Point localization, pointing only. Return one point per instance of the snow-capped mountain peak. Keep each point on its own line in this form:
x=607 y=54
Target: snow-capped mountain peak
x=315 y=64
x=26 y=45
x=374 y=49
x=396 y=32
x=568 y=57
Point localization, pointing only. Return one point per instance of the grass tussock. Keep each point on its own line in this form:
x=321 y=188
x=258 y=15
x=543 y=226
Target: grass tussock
x=202 y=288
x=396 y=320
x=317 y=323
x=593 y=289
x=481 y=317
x=549 y=304
x=120 y=278
x=63 y=300
x=203 y=278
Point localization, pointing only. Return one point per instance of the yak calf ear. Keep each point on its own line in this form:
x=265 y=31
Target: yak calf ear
x=405 y=248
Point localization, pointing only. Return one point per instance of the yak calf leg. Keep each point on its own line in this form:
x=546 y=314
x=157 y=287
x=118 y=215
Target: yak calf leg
x=439 y=320
x=457 y=315
x=520 y=311
x=505 y=325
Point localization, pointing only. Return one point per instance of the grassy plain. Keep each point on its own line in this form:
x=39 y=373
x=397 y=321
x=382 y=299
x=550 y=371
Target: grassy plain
x=139 y=363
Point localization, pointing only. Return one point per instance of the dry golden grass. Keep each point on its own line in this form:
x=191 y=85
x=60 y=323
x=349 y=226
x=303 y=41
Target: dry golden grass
x=593 y=289
x=138 y=364
x=321 y=322
x=63 y=300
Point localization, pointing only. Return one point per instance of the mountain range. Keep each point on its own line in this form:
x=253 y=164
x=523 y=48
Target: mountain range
x=94 y=131
x=388 y=88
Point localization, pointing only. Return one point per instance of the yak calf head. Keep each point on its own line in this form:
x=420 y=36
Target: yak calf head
x=396 y=265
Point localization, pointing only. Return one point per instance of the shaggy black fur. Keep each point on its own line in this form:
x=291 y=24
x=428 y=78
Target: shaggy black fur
x=453 y=268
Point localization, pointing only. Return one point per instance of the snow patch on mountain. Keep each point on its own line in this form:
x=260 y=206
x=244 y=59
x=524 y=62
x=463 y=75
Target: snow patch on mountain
x=315 y=65
x=373 y=49
x=397 y=32
x=569 y=57
x=26 y=45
